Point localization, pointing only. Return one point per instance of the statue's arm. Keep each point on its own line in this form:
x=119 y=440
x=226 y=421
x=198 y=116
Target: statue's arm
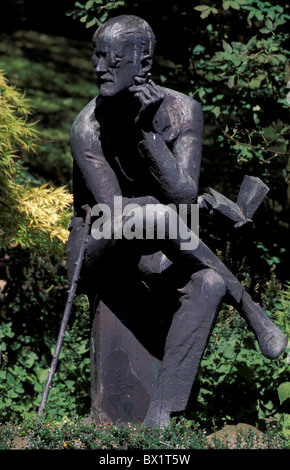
x=176 y=168
x=95 y=181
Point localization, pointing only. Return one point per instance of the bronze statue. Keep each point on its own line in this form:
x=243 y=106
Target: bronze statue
x=140 y=143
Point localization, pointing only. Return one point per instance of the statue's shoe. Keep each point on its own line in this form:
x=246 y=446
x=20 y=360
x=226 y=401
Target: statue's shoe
x=272 y=341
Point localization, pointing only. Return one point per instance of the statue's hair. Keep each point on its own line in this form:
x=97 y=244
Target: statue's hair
x=130 y=28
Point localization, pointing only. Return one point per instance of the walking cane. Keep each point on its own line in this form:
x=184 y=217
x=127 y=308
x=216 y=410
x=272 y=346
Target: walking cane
x=67 y=311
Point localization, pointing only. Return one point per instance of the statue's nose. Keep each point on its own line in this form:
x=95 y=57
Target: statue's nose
x=101 y=66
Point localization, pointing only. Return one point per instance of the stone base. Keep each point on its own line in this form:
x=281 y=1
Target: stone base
x=123 y=372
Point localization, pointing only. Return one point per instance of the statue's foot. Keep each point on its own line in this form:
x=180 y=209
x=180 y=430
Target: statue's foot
x=272 y=342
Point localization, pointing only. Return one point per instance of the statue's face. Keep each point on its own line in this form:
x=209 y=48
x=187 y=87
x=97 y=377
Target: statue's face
x=116 y=63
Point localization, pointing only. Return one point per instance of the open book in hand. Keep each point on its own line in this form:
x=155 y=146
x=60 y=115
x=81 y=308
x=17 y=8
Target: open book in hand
x=251 y=195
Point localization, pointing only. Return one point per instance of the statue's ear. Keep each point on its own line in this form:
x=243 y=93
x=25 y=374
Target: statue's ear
x=146 y=64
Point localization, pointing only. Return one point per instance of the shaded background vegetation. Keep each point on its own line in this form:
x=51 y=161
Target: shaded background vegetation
x=232 y=57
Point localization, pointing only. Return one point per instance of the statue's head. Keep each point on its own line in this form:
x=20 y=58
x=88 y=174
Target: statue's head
x=123 y=49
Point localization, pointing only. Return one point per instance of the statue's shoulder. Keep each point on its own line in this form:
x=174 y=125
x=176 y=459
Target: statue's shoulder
x=185 y=113
x=182 y=104
x=86 y=122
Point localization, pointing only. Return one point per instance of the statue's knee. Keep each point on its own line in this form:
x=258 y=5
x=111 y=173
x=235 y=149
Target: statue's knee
x=97 y=250
x=210 y=283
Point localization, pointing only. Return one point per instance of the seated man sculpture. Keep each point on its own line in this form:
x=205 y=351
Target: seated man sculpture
x=140 y=144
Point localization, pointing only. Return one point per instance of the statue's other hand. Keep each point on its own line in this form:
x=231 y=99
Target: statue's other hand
x=150 y=96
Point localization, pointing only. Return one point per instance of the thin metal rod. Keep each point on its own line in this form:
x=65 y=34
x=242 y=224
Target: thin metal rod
x=67 y=311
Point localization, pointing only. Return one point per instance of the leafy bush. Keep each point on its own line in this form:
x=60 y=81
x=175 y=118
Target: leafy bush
x=31 y=216
x=26 y=353
x=58 y=78
x=34 y=222
x=75 y=434
x=94 y=13
x=236 y=383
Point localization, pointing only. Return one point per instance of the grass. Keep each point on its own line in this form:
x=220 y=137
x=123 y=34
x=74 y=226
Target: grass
x=179 y=435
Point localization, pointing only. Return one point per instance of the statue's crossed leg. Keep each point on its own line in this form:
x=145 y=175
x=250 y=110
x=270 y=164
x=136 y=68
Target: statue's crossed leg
x=191 y=325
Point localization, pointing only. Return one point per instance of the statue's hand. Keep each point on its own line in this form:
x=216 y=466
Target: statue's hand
x=150 y=96
x=203 y=204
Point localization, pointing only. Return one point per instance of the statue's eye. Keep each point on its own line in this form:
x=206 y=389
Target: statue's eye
x=113 y=60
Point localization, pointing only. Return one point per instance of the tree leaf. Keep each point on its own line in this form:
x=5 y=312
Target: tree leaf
x=226 y=5
x=284 y=391
x=89 y=4
x=235 y=5
x=202 y=7
x=227 y=47
x=10 y=379
x=259 y=15
x=42 y=376
x=61 y=355
x=83 y=348
x=205 y=14
x=269 y=24
x=285 y=130
x=232 y=81
x=92 y=22
x=19 y=388
x=31 y=359
x=229 y=352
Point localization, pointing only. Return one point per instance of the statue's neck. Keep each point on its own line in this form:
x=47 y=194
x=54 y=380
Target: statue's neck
x=122 y=105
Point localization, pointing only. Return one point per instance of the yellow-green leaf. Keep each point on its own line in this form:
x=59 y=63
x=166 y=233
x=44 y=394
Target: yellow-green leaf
x=284 y=391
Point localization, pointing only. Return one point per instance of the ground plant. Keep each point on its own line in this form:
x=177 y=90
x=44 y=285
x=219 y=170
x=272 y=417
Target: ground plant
x=181 y=434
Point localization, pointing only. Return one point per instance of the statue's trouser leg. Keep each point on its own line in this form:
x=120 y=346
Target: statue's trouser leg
x=271 y=339
x=188 y=249
x=185 y=344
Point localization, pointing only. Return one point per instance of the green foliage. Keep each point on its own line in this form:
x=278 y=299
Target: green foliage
x=284 y=391
x=282 y=315
x=26 y=346
x=282 y=308
x=251 y=76
x=243 y=54
x=59 y=80
x=284 y=421
x=30 y=216
x=77 y=435
x=94 y=12
x=235 y=381
x=16 y=133
x=34 y=219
